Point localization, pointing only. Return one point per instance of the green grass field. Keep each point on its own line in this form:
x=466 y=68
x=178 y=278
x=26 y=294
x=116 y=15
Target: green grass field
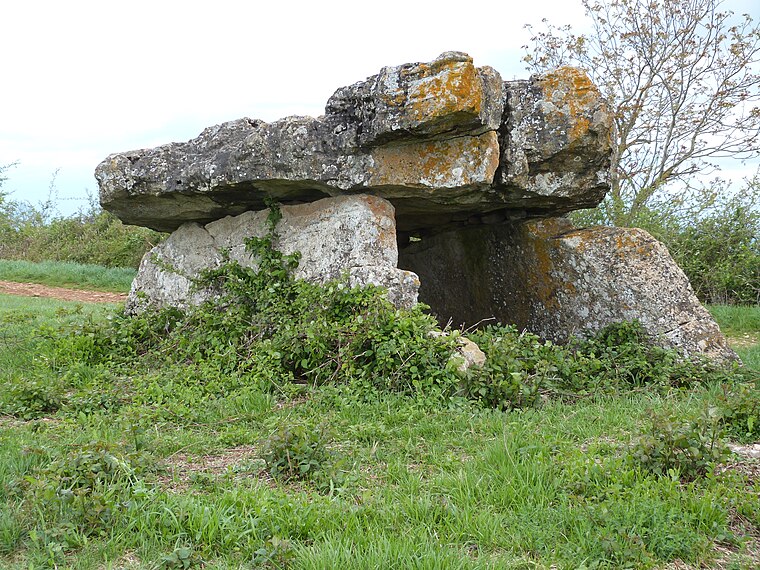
x=742 y=327
x=106 y=468
x=67 y=274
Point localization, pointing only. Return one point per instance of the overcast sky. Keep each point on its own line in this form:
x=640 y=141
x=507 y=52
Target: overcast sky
x=82 y=79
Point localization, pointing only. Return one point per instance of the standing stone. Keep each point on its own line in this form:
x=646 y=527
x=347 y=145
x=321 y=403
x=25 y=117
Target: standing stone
x=557 y=281
x=353 y=236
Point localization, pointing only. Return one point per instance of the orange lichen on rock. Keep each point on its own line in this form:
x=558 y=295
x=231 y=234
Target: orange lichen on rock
x=456 y=89
x=574 y=96
x=451 y=163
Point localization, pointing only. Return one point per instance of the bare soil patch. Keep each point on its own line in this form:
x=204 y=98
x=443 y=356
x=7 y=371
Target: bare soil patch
x=60 y=293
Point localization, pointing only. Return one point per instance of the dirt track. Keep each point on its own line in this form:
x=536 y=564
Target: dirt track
x=35 y=290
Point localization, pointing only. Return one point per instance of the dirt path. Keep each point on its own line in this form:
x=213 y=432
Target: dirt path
x=35 y=290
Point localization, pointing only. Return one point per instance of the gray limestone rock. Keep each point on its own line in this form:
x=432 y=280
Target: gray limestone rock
x=445 y=98
x=555 y=141
x=444 y=141
x=556 y=281
x=351 y=235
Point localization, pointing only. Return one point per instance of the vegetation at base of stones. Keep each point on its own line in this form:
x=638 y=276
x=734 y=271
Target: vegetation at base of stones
x=173 y=469
x=91 y=236
x=682 y=81
x=266 y=327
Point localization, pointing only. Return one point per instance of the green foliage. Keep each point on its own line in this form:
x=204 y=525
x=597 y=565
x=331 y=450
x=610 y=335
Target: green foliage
x=720 y=253
x=92 y=236
x=740 y=411
x=269 y=327
x=298 y=452
x=519 y=365
x=471 y=486
x=181 y=558
x=277 y=552
x=85 y=491
x=622 y=355
x=686 y=448
x=31 y=397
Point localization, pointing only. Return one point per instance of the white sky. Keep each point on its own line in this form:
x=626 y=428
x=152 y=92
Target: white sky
x=82 y=79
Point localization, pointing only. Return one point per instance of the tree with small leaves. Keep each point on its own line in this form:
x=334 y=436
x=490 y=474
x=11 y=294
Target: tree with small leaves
x=682 y=79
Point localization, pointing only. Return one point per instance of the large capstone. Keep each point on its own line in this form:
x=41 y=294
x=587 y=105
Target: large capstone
x=446 y=142
x=352 y=237
x=557 y=281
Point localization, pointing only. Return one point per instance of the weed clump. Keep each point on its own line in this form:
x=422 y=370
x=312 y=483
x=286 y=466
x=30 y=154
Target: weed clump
x=739 y=408
x=685 y=448
x=297 y=452
x=265 y=327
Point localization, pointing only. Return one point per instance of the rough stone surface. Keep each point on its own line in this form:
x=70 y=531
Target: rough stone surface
x=555 y=141
x=467 y=354
x=446 y=142
x=446 y=97
x=556 y=281
x=347 y=234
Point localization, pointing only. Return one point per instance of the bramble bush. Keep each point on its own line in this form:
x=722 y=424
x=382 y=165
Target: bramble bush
x=266 y=328
x=687 y=448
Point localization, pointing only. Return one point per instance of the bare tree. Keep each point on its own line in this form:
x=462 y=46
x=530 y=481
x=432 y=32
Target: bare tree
x=682 y=79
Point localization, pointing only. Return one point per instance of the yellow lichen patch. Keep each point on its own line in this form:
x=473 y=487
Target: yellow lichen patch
x=453 y=89
x=449 y=164
x=574 y=95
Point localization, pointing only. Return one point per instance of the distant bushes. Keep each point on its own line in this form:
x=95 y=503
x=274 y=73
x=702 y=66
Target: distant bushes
x=720 y=254
x=715 y=240
x=36 y=233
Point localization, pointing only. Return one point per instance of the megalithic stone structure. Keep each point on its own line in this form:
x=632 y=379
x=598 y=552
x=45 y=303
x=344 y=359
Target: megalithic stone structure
x=412 y=162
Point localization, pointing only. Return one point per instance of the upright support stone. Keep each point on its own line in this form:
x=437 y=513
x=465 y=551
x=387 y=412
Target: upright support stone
x=351 y=236
x=557 y=281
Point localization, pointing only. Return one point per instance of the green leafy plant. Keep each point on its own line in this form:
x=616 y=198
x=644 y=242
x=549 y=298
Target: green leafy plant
x=86 y=490
x=740 y=411
x=687 y=448
x=181 y=558
x=518 y=367
x=298 y=452
x=32 y=397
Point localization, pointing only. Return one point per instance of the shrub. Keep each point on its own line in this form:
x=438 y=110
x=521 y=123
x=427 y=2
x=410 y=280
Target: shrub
x=297 y=452
x=740 y=411
x=92 y=236
x=684 y=447
x=720 y=255
x=31 y=397
x=519 y=365
x=86 y=490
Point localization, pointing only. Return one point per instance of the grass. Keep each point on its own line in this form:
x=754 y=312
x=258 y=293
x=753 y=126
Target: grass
x=180 y=482
x=741 y=325
x=68 y=274
x=735 y=319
